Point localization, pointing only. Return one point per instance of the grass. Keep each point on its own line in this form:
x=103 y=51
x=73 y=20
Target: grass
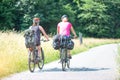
x=118 y=61
x=13 y=53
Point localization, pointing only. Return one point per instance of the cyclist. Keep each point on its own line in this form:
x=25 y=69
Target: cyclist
x=38 y=29
x=64 y=27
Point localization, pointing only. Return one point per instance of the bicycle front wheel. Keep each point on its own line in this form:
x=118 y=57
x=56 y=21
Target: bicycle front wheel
x=41 y=62
x=31 y=62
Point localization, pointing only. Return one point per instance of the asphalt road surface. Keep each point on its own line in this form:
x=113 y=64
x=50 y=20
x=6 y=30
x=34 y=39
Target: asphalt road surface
x=98 y=63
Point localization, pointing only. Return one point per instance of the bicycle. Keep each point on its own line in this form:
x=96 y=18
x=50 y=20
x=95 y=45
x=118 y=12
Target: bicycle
x=33 y=58
x=63 y=53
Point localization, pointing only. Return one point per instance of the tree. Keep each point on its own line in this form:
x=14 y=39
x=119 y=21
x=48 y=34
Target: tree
x=94 y=18
x=113 y=10
x=45 y=9
x=6 y=14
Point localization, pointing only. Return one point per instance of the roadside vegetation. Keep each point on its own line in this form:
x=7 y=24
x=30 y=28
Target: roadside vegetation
x=118 y=60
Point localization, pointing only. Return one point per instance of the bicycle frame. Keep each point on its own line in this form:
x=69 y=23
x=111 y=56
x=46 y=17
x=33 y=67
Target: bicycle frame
x=33 y=59
x=34 y=52
x=63 y=54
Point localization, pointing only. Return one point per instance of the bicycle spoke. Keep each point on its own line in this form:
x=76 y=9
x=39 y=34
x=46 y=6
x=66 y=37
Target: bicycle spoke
x=63 y=58
x=68 y=62
x=41 y=62
x=31 y=62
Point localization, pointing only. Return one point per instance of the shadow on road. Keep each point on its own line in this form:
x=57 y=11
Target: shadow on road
x=74 y=69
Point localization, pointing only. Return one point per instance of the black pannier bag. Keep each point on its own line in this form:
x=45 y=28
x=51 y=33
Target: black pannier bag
x=56 y=42
x=70 y=45
x=62 y=41
x=66 y=42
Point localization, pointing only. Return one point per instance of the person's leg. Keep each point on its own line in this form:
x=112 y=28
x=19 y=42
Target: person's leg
x=39 y=52
x=69 y=55
x=39 y=49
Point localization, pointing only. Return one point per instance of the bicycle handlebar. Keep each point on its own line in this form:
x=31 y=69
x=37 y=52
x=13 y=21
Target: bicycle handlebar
x=72 y=37
x=44 y=40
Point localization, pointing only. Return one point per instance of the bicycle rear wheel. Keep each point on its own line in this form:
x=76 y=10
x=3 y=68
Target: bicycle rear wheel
x=68 y=62
x=63 y=58
x=41 y=62
x=31 y=62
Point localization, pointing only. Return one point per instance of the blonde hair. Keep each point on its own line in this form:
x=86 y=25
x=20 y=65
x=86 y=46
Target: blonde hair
x=36 y=23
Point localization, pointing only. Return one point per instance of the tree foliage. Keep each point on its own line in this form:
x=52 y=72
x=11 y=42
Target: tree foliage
x=94 y=18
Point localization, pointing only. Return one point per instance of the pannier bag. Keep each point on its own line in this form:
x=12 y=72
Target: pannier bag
x=70 y=45
x=56 y=42
x=30 y=38
x=62 y=42
x=66 y=42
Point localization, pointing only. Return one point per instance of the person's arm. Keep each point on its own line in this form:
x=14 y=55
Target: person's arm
x=58 y=29
x=44 y=33
x=73 y=31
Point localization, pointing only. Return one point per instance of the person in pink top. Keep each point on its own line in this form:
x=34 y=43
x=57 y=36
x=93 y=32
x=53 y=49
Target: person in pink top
x=64 y=28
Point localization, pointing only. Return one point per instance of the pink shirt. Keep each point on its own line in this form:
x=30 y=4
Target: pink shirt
x=64 y=28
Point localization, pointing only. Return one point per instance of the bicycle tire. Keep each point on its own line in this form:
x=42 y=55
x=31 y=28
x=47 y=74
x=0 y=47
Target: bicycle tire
x=63 y=65
x=63 y=58
x=68 y=63
x=31 y=62
x=41 y=62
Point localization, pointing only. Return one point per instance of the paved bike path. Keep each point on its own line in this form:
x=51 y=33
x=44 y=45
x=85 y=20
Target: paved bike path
x=98 y=63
